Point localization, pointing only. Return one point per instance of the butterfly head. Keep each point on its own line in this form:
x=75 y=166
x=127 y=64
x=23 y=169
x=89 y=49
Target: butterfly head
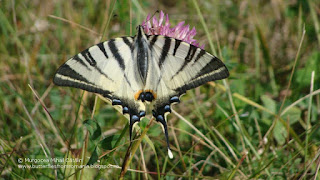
x=140 y=31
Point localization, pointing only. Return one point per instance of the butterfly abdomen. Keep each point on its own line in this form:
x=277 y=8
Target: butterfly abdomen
x=143 y=55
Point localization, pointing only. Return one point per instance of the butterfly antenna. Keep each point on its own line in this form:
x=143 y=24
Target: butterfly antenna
x=157 y=11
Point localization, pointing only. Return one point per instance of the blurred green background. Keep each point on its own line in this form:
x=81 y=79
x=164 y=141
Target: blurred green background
x=260 y=123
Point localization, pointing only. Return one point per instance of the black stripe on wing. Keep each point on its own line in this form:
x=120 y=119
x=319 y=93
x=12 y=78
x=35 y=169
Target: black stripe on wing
x=214 y=70
x=87 y=55
x=192 y=50
x=152 y=41
x=127 y=42
x=102 y=48
x=214 y=66
x=201 y=53
x=116 y=54
x=66 y=76
x=79 y=60
x=189 y=57
x=176 y=46
x=165 y=50
x=115 y=51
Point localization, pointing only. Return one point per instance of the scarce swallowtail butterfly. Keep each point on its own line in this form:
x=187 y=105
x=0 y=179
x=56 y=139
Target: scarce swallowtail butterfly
x=130 y=71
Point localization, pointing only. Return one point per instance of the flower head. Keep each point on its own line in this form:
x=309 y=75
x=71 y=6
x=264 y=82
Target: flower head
x=181 y=31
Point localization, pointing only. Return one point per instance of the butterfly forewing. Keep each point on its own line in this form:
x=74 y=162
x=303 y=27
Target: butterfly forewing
x=186 y=66
x=106 y=70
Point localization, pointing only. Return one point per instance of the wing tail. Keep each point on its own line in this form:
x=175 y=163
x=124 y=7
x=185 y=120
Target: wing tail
x=160 y=112
x=162 y=120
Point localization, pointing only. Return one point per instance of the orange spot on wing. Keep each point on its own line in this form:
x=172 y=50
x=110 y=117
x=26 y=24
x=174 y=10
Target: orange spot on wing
x=136 y=95
x=152 y=92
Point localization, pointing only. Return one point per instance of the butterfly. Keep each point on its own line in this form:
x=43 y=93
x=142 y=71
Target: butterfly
x=134 y=71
